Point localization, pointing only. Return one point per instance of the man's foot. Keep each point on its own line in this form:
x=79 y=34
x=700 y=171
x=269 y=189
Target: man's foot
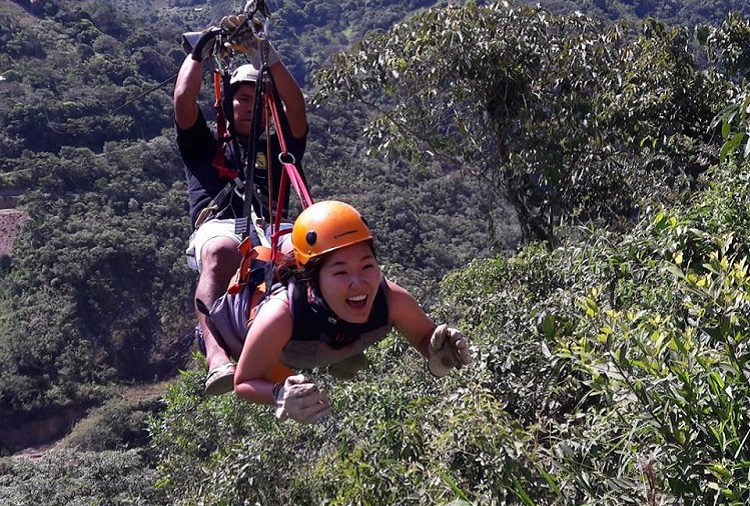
x=220 y=380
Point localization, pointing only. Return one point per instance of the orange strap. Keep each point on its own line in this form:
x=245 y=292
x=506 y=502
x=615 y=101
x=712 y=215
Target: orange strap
x=278 y=373
x=221 y=134
x=249 y=253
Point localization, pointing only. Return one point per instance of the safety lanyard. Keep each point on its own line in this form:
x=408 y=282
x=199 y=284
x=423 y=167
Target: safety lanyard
x=290 y=174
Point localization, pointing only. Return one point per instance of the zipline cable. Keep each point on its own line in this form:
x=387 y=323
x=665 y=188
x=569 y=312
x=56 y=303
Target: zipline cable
x=150 y=90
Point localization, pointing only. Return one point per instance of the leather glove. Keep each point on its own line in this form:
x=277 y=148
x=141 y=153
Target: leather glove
x=448 y=349
x=242 y=39
x=199 y=45
x=301 y=400
x=235 y=24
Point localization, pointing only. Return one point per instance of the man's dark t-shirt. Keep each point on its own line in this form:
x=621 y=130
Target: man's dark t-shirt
x=198 y=145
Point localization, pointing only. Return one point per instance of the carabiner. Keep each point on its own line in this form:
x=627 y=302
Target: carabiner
x=253 y=6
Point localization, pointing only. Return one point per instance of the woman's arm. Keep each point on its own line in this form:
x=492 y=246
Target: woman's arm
x=264 y=343
x=444 y=347
x=296 y=397
x=409 y=319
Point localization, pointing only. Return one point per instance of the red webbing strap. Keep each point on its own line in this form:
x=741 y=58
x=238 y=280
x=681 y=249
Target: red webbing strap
x=221 y=126
x=291 y=170
x=269 y=161
x=223 y=171
x=290 y=173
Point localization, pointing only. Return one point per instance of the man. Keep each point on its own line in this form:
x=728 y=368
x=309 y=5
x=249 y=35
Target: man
x=213 y=246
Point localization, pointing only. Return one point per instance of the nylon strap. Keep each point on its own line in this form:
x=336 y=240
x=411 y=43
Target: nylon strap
x=290 y=173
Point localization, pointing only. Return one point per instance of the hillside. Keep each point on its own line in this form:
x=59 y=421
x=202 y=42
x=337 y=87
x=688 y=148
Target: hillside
x=18 y=10
x=10 y=224
x=604 y=139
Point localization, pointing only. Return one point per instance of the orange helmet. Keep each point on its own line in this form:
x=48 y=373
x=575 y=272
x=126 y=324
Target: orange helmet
x=327 y=226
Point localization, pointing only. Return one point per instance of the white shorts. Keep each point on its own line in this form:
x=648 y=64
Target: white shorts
x=209 y=230
x=222 y=228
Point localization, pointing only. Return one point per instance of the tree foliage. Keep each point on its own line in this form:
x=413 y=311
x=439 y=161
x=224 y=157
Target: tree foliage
x=728 y=47
x=97 y=290
x=63 y=92
x=569 y=118
x=69 y=477
x=609 y=370
x=610 y=364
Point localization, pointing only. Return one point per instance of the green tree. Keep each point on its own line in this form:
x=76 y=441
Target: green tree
x=569 y=118
x=728 y=46
x=97 y=292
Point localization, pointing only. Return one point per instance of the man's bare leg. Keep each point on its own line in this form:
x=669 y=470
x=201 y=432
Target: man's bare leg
x=219 y=262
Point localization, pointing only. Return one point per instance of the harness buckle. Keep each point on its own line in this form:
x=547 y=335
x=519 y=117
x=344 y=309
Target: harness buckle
x=239 y=188
x=204 y=215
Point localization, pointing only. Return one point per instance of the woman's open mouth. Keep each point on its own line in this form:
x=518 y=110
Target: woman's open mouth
x=358 y=302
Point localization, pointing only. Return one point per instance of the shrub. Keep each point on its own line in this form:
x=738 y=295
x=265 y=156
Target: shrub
x=77 y=479
x=611 y=370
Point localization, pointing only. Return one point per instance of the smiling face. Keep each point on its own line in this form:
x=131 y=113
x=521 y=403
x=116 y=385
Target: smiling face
x=243 y=102
x=349 y=279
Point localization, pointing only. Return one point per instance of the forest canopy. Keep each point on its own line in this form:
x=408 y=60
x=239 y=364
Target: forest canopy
x=567 y=189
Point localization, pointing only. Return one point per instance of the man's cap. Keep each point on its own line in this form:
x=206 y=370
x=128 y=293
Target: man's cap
x=247 y=73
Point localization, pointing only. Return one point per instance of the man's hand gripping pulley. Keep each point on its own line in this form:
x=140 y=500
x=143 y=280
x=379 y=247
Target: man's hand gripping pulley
x=235 y=34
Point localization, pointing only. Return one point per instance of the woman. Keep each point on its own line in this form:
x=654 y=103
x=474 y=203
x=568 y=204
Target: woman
x=334 y=303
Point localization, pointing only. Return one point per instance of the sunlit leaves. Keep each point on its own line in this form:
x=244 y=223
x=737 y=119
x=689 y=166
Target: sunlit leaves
x=579 y=120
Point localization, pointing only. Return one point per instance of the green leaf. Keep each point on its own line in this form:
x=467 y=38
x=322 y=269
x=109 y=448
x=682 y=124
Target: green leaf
x=522 y=494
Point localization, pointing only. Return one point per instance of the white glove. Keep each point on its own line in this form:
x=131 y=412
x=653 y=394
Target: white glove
x=242 y=39
x=301 y=400
x=448 y=349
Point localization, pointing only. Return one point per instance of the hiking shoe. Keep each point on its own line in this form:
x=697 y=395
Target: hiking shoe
x=220 y=380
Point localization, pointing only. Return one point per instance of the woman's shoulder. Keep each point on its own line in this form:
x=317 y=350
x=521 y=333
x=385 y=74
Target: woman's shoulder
x=393 y=289
x=400 y=301
x=275 y=308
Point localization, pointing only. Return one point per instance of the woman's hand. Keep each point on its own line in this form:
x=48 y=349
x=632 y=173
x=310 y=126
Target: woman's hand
x=448 y=349
x=301 y=400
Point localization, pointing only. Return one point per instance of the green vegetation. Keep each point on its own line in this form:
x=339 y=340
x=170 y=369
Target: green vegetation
x=94 y=294
x=611 y=370
x=611 y=345
x=72 y=477
x=569 y=119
